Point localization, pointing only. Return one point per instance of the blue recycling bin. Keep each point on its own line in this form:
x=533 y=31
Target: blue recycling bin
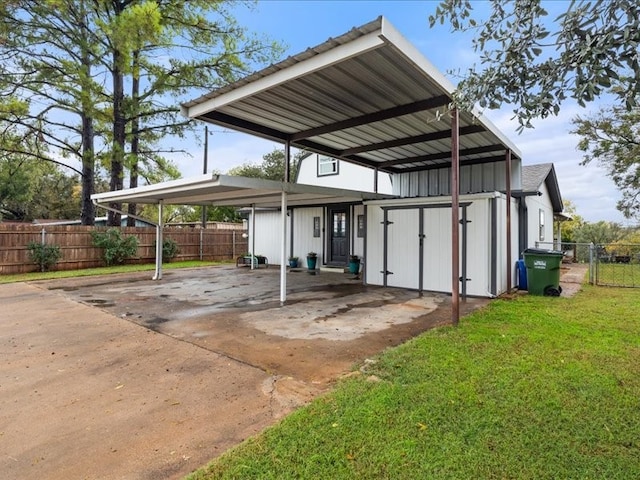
x=522 y=274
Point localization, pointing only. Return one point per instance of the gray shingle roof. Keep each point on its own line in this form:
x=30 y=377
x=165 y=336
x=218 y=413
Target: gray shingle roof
x=533 y=176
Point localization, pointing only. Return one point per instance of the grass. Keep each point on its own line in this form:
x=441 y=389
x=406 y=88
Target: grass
x=529 y=388
x=28 y=277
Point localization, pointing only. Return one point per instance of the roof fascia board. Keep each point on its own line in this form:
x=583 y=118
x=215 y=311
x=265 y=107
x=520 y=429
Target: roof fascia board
x=335 y=55
x=409 y=51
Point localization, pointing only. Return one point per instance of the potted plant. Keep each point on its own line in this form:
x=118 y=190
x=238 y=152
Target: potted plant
x=293 y=261
x=354 y=264
x=312 y=258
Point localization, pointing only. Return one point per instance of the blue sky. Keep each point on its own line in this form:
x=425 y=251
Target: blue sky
x=302 y=24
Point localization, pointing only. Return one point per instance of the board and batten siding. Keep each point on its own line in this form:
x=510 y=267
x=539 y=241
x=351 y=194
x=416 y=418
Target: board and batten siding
x=303 y=239
x=487 y=177
x=268 y=235
x=403 y=243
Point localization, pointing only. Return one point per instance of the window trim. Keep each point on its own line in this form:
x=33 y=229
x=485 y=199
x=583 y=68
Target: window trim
x=541 y=225
x=332 y=160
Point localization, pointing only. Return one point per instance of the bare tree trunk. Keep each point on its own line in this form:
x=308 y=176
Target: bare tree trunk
x=135 y=138
x=119 y=137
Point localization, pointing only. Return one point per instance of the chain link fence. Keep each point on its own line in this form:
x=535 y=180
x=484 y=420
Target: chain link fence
x=612 y=264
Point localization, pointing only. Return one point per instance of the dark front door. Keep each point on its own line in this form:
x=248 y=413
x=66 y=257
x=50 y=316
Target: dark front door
x=338 y=236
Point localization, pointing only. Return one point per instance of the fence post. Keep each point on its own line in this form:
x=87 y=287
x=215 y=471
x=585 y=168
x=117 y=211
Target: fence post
x=233 y=247
x=201 y=243
x=591 y=263
x=43 y=236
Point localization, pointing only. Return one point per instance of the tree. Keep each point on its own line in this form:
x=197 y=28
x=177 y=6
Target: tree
x=569 y=227
x=611 y=137
x=46 y=56
x=599 y=233
x=535 y=65
x=77 y=59
x=271 y=168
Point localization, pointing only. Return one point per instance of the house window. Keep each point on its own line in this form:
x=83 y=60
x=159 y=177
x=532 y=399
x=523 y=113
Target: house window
x=360 y=226
x=541 y=225
x=327 y=166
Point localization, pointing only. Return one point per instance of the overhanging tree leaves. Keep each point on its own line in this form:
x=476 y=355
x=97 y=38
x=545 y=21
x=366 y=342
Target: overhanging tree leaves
x=271 y=168
x=611 y=137
x=536 y=64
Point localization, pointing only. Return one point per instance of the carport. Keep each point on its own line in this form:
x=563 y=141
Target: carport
x=225 y=190
x=367 y=97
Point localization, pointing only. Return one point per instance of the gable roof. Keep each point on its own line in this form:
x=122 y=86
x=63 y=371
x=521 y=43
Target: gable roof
x=368 y=97
x=533 y=176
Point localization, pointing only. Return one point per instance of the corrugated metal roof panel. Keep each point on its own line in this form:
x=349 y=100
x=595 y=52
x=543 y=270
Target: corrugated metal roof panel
x=353 y=92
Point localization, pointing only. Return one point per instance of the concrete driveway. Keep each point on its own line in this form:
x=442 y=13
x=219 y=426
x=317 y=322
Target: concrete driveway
x=120 y=377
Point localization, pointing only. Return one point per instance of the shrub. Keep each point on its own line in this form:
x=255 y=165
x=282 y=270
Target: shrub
x=116 y=248
x=45 y=256
x=169 y=249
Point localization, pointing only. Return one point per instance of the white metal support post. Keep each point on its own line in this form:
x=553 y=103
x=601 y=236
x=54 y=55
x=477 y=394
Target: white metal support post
x=283 y=251
x=253 y=233
x=159 y=242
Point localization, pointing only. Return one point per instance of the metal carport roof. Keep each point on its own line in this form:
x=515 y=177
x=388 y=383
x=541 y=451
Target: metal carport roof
x=368 y=97
x=227 y=190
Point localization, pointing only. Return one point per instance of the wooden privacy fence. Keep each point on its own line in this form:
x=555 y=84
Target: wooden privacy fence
x=78 y=252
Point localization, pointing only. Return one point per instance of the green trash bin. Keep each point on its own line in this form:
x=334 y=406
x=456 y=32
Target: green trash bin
x=543 y=271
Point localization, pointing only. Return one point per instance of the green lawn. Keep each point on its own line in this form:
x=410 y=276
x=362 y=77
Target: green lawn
x=530 y=388
x=28 y=277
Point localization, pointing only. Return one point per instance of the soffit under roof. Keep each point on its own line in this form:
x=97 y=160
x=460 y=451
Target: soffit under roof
x=368 y=97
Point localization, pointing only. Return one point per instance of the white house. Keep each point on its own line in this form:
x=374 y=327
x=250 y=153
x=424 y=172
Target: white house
x=406 y=241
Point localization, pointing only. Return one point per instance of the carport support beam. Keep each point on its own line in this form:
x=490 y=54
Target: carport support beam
x=455 y=218
x=253 y=234
x=159 y=243
x=283 y=251
x=508 y=188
